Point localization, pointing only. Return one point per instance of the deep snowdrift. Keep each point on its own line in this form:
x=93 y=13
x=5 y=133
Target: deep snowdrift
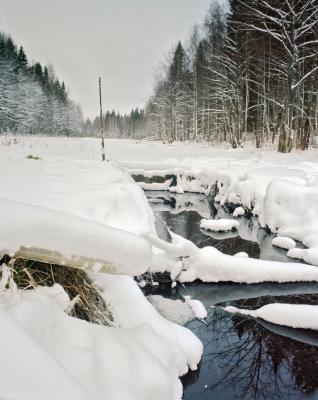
x=67 y=358
x=80 y=213
x=91 y=214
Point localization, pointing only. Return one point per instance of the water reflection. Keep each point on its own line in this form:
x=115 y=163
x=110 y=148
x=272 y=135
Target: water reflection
x=183 y=212
x=243 y=358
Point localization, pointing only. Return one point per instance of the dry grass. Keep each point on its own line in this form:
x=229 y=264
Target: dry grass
x=31 y=157
x=90 y=306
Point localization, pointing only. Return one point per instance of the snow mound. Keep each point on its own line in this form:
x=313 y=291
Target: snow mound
x=74 y=359
x=284 y=242
x=41 y=234
x=130 y=308
x=219 y=225
x=174 y=310
x=238 y=212
x=197 y=307
x=82 y=213
x=241 y=254
x=292 y=210
x=292 y=315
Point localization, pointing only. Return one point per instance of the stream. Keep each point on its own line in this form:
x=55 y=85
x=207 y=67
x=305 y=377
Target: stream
x=243 y=358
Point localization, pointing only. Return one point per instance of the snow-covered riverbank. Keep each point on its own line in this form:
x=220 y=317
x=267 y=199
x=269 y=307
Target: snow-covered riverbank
x=88 y=214
x=282 y=190
x=59 y=203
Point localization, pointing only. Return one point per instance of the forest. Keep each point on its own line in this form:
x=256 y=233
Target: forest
x=117 y=125
x=32 y=99
x=248 y=73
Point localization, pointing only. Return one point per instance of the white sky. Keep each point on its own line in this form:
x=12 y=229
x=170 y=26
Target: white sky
x=121 y=40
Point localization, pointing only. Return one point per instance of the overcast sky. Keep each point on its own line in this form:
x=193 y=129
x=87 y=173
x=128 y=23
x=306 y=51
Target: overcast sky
x=121 y=40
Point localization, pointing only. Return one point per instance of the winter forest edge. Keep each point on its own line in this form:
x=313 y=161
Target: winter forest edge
x=248 y=73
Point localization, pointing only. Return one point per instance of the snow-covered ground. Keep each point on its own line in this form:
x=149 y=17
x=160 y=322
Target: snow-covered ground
x=48 y=355
x=82 y=211
x=70 y=181
x=59 y=207
x=60 y=203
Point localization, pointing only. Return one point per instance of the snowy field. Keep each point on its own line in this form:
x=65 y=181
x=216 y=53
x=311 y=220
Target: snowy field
x=60 y=203
x=71 y=187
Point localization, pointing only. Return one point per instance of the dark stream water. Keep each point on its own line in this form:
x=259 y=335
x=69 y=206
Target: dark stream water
x=243 y=358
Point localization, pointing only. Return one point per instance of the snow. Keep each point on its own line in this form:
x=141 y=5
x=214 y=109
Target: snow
x=241 y=254
x=63 y=208
x=238 y=212
x=197 y=307
x=185 y=202
x=245 y=177
x=43 y=203
x=292 y=210
x=284 y=242
x=292 y=315
x=174 y=310
x=187 y=263
x=67 y=358
x=219 y=225
x=47 y=235
x=129 y=308
x=68 y=207
x=67 y=186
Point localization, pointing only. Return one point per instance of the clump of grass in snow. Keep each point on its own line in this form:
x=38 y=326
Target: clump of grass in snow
x=91 y=305
x=31 y=157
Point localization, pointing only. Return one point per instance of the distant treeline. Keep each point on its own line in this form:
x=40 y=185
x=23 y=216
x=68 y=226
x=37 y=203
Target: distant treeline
x=250 y=72
x=32 y=99
x=117 y=125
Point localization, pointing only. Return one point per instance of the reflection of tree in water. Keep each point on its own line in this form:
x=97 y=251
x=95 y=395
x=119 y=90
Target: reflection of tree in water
x=259 y=363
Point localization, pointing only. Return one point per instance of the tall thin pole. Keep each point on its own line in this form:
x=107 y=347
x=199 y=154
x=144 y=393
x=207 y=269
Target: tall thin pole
x=101 y=119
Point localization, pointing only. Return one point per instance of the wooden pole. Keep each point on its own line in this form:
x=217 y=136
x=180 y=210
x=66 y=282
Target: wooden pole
x=101 y=119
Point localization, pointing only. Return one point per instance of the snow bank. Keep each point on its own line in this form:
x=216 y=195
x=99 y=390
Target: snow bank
x=67 y=358
x=176 y=203
x=174 y=310
x=46 y=235
x=292 y=315
x=187 y=263
x=219 y=225
x=238 y=212
x=281 y=189
x=292 y=210
x=241 y=254
x=197 y=307
x=130 y=308
x=284 y=242
x=79 y=213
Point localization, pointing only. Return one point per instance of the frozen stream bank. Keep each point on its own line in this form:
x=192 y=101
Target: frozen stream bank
x=243 y=358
